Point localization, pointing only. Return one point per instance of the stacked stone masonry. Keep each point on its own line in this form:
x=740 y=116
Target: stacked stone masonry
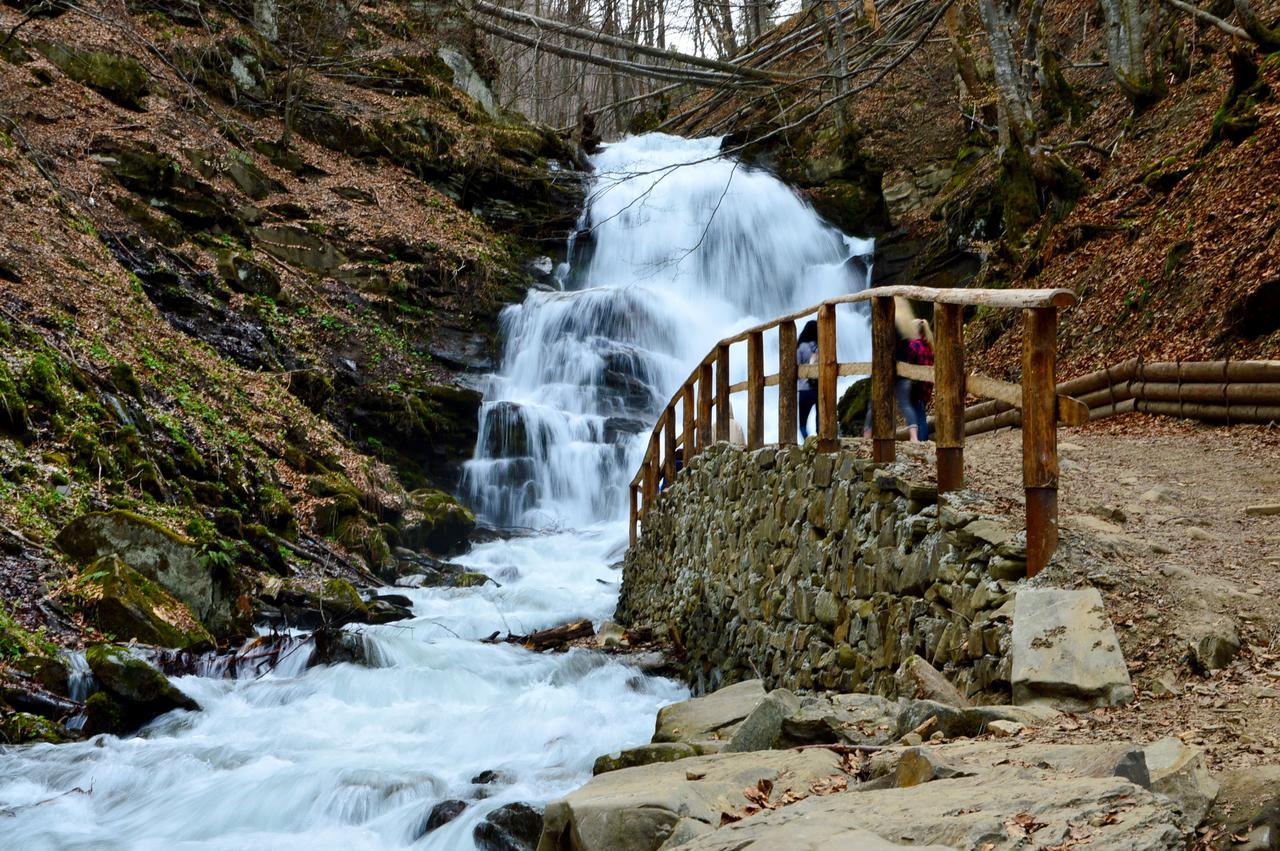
x=823 y=571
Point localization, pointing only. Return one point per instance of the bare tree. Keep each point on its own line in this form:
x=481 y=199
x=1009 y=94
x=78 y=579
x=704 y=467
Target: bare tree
x=1136 y=68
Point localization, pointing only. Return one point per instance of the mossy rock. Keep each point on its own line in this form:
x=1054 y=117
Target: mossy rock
x=140 y=691
x=338 y=599
x=643 y=755
x=103 y=714
x=851 y=410
x=13 y=407
x=49 y=671
x=312 y=387
x=163 y=228
x=121 y=602
x=469 y=579
x=43 y=383
x=161 y=555
x=437 y=522
x=23 y=728
x=246 y=276
x=120 y=79
x=332 y=484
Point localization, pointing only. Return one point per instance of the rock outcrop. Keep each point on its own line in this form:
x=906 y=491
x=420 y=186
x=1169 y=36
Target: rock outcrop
x=132 y=692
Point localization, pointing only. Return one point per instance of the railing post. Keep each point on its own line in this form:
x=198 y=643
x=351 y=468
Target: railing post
x=1039 y=434
x=787 y=382
x=828 y=371
x=651 y=473
x=704 y=405
x=687 y=441
x=948 y=372
x=755 y=390
x=884 y=372
x=722 y=393
x=669 y=434
x=632 y=537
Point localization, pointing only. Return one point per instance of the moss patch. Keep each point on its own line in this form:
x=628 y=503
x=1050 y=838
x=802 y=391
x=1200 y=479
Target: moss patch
x=126 y=605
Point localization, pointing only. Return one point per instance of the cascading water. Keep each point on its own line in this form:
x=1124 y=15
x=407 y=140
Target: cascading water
x=348 y=756
x=678 y=256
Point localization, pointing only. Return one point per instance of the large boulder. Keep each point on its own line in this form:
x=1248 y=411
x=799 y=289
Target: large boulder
x=122 y=602
x=916 y=678
x=708 y=723
x=638 y=809
x=161 y=555
x=435 y=521
x=132 y=692
x=1064 y=651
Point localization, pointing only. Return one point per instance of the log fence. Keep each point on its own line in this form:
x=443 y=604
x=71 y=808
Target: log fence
x=702 y=401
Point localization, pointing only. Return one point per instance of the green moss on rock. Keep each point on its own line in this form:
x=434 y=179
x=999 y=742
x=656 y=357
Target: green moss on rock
x=140 y=692
x=13 y=408
x=22 y=728
x=339 y=599
x=120 y=79
x=437 y=522
x=121 y=602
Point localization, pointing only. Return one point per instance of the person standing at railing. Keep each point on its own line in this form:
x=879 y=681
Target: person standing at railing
x=911 y=396
x=806 y=391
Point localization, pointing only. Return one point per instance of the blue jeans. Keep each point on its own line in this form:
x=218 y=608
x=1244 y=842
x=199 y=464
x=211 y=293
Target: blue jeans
x=911 y=407
x=807 y=398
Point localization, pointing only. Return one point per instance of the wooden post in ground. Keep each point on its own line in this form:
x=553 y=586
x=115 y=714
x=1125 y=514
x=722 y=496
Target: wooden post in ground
x=687 y=440
x=828 y=371
x=787 y=382
x=652 y=472
x=755 y=389
x=1039 y=434
x=704 y=405
x=884 y=371
x=948 y=372
x=722 y=393
x=669 y=435
x=633 y=536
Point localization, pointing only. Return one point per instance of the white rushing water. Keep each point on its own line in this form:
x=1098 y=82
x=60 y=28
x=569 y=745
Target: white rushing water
x=353 y=757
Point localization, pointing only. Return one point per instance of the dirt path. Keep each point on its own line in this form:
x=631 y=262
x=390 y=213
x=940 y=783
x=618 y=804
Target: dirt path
x=1153 y=514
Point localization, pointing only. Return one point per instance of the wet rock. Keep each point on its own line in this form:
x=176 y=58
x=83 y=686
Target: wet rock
x=461 y=349
x=490 y=775
x=513 y=827
x=1065 y=653
x=435 y=521
x=467 y=80
x=246 y=276
x=138 y=691
x=159 y=554
x=121 y=602
x=22 y=728
x=440 y=815
x=708 y=722
x=643 y=755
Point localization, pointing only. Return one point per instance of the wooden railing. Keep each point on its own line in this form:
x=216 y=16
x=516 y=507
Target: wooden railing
x=701 y=404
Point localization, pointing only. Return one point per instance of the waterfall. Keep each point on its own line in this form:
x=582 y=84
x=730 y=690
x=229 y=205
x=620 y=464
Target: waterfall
x=677 y=249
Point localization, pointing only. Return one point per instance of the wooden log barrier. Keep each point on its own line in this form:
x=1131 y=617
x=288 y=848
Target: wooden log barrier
x=828 y=370
x=884 y=340
x=722 y=392
x=1040 y=434
x=787 y=372
x=755 y=389
x=949 y=384
x=704 y=404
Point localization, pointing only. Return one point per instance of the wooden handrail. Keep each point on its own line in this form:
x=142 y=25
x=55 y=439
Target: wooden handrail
x=703 y=398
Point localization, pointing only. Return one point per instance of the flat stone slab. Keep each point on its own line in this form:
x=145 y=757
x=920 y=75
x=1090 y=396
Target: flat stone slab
x=1065 y=651
x=709 y=722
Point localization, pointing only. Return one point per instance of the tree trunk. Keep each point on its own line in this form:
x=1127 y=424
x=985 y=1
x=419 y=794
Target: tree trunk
x=1128 y=23
x=1000 y=20
x=1268 y=39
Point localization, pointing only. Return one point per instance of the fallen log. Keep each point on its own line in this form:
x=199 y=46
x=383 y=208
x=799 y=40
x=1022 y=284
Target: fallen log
x=554 y=638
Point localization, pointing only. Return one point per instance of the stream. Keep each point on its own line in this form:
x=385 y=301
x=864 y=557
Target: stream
x=677 y=248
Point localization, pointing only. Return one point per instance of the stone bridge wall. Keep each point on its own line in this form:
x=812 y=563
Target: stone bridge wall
x=823 y=570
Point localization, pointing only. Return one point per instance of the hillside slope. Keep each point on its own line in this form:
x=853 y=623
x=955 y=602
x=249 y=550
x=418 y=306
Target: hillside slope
x=251 y=335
